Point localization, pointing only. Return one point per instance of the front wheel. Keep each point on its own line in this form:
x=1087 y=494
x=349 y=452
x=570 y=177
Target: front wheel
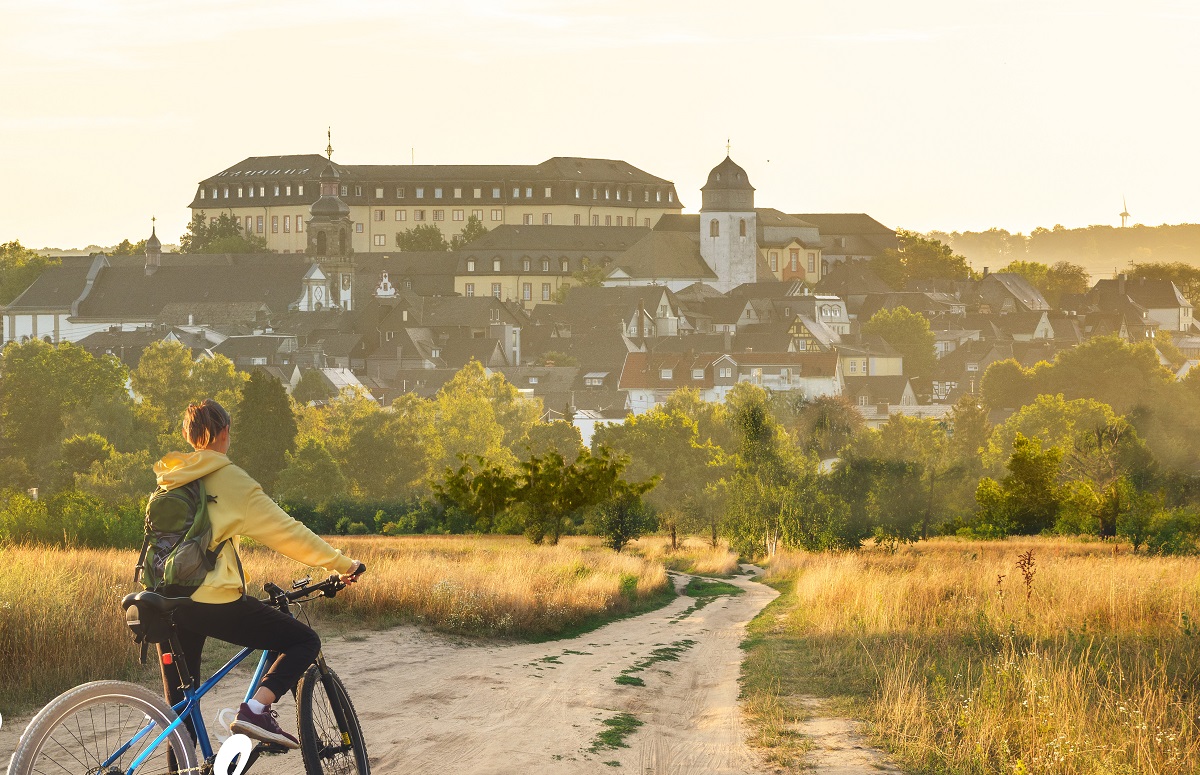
x=331 y=739
x=81 y=730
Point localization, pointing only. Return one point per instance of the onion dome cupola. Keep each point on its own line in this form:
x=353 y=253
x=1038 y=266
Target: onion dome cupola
x=330 y=205
x=153 y=250
x=728 y=189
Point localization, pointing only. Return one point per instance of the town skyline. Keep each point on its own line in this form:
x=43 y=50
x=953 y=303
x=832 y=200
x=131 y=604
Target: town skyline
x=928 y=117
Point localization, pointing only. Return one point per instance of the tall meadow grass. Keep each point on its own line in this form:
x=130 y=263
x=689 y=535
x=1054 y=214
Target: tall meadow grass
x=963 y=666
x=61 y=623
x=693 y=555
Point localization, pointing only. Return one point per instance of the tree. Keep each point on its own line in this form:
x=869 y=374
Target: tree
x=423 y=237
x=910 y=334
x=311 y=475
x=478 y=489
x=624 y=518
x=392 y=454
x=551 y=489
x=40 y=385
x=77 y=454
x=1062 y=279
x=471 y=231
x=1027 y=499
x=222 y=235
x=127 y=248
x=1006 y=385
x=558 y=435
x=1052 y=419
x=167 y=379
x=19 y=267
x=666 y=444
x=265 y=429
x=919 y=258
x=826 y=424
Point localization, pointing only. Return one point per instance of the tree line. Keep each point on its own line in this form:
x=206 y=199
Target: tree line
x=1103 y=441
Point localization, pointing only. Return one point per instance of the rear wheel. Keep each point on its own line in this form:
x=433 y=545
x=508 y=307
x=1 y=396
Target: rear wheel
x=331 y=739
x=80 y=731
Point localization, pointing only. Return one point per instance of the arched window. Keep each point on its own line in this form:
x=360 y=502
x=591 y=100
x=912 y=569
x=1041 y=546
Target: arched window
x=714 y=228
x=322 y=243
x=742 y=228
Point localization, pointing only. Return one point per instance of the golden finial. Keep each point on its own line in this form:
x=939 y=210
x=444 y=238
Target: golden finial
x=727 y=146
x=329 y=137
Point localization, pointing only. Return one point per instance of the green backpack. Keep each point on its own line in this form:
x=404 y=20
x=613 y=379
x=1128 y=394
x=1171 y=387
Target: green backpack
x=178 y=532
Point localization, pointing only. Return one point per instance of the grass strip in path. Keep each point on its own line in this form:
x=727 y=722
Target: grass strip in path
x=617 y=729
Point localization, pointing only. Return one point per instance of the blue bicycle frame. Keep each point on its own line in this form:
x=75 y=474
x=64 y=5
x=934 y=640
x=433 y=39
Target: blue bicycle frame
x=189 y=707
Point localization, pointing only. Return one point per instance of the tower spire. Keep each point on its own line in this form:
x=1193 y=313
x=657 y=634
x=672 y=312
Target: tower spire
x=329 y=147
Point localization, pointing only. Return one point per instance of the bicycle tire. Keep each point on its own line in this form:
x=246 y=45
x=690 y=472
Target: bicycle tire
x=327 y=748
x=66 y=734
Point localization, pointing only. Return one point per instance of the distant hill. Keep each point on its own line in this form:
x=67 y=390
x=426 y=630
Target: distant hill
x=1102 y=250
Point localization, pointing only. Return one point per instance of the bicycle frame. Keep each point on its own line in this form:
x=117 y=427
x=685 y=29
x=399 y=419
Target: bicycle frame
x=189 y=708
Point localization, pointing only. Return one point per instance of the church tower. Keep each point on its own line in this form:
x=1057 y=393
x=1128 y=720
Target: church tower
x=329 y=235
x=729 y=226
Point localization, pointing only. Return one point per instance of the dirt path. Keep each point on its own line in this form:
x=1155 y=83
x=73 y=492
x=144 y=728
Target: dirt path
x=837 y=746
x=431 y=704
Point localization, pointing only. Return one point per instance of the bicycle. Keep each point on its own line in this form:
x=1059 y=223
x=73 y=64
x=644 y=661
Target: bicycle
x=120 y=728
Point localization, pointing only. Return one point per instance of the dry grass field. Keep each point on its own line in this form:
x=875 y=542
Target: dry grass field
x=693 y=555
x=1084 y=662
x=61 y=623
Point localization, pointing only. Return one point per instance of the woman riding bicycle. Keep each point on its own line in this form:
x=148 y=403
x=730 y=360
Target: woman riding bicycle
x=239 y=507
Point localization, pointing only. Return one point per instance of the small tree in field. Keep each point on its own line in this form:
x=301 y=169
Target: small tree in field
x=623 y=519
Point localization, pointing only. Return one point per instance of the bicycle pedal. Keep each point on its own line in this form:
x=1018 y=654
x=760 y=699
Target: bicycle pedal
x=270 y=748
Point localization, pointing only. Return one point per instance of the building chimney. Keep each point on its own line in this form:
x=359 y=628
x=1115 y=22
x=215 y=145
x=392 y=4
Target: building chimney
x=985 y=271
x=1121 y=278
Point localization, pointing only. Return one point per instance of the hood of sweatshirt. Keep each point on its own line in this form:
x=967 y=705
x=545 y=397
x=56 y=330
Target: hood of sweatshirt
x=178 y=468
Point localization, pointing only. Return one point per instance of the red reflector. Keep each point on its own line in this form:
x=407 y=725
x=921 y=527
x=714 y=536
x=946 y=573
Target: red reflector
x=168 y=658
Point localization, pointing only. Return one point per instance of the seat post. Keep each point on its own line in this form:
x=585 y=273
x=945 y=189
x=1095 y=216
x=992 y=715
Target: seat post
x=178 y=659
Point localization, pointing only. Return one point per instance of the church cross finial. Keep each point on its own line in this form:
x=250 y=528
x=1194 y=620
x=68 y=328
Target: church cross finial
x=727 y=146
x=329 y=137
x=152 y=223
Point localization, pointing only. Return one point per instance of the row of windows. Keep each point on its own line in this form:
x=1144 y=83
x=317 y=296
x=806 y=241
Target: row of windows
x=793 y=261
x=380 y=215
x=725 y=371
x=525 y=264
x=526 y=291
x=435 y=192
x=248 y=191
x=256 y=224
x=518 y=192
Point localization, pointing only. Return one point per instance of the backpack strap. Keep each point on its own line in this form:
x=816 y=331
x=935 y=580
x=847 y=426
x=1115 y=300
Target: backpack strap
x=141 y=563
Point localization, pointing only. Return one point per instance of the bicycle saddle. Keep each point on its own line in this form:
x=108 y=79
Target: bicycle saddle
x=146 y=613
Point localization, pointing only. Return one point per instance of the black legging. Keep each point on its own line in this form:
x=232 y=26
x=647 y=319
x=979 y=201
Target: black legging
x=245 y=622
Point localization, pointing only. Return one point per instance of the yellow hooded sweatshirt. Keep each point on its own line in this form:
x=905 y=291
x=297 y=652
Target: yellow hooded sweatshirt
x=242 y=508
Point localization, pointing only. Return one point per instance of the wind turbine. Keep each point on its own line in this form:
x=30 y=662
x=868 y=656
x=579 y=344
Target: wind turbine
x=1124 y=212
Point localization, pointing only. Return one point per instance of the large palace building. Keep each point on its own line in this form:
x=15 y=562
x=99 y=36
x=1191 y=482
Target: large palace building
x=271 y=197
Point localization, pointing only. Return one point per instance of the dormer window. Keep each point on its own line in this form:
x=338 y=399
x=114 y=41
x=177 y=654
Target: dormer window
x=470 y=265
x=697 y=373
x=533 y=380
x=565 y=266
x=665 y=373
x=495 y=265
x=435 y=353
x=525 y=265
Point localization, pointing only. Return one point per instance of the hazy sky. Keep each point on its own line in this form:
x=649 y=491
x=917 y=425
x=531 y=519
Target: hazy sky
x=952 y=115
